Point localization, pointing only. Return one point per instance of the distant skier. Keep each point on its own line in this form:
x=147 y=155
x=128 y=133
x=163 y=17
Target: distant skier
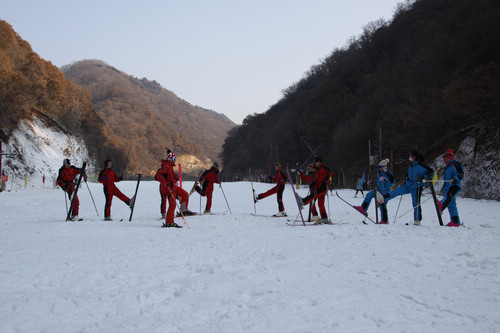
x=168 y=185
x=453 y=176
x=108 y=178
x=65 y=180
x=359 y=187
x=280 y=180
x=207 y=179
x=385 y=180
x=319 y=189
x=417 y=172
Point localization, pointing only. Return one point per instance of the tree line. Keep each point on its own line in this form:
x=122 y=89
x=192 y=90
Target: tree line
x=423 y=77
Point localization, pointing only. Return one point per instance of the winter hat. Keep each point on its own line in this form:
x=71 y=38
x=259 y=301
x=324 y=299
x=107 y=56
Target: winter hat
x=449 y=153
x=318 y=159
x=66 y=161
x=383 y=163
x=171 y=157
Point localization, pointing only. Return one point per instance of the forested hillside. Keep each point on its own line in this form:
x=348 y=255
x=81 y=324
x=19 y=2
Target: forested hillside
x=112 y=112
x=421 y=80
x=31 y=86
x=149 y=118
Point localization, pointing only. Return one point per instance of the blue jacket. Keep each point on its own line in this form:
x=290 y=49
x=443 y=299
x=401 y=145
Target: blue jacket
x=454 y=172
x=417 y=171
x=384 y=186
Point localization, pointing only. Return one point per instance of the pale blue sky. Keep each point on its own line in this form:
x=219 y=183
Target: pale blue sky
x=234 y=57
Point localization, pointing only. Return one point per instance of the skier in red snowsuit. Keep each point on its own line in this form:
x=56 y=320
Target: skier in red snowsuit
x=108 y=178
x=208 y=178
x=308 y=177
x=65 y=179
x=280 y=179
x=319 y=188
x=170 y=191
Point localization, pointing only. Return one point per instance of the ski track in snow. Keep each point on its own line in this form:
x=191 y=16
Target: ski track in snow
x=243 y=273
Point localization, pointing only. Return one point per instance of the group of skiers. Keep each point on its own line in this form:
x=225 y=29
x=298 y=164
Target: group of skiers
x=318 y=175
x=107 y=177
x=419 y=175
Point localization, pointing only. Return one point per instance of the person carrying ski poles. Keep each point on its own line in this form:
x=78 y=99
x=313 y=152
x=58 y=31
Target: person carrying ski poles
x=418 y=171
x=319 y=189
x=65 y=180
x=208 y=178
x=453 y=176
x=308 y=177
x=280 y=180
x=168 y=185
x=385 y=180
x=107 y=177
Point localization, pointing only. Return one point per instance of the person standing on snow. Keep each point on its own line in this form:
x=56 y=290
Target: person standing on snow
x=418 y=172
x=208 y=178
x=385 y=180
x=108 y=178
x=319 y=188
x=280 y=179
x=359 y=187
x=168 y=185
x=65 y=180
x=308 y=177
x=453 y=176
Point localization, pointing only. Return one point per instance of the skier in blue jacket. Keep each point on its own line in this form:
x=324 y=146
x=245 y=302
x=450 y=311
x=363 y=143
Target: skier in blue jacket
x=453 y=175
x=418 y=171
x=385 y=180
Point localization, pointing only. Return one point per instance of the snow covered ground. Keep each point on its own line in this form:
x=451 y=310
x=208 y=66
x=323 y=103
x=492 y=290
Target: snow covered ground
x=243 y=273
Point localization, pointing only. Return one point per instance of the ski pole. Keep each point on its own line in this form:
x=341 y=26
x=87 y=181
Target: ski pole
x=92 y=198
x=420 y=204
x=230 y=212
x=397 y=210
x=126 y=161
x=65 y=201
x=313 y=154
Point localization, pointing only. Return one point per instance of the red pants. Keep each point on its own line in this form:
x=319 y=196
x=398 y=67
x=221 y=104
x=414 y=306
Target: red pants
x=183 y=196
x=206 y=191
x=278 y=189
x=321 y=202
x=109 y=192
x=76 y=203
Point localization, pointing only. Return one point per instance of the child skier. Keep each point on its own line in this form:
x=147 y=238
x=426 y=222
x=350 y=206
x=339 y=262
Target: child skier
x=208 y=178
x=65 y=180
x=319 y=189
x=108 y=178
x=417 y=172
x=385 y=180
x=168 y=185
x=280 y=179
x=453 y=175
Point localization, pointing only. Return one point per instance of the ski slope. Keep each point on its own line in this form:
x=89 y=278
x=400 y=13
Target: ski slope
x=243 y=273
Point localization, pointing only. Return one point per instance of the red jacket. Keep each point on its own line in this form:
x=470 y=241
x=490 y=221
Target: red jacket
x=211 y=176
x=108 y=177
x=321 y=177
x=66 y=176
x=166 y=175
x=279 y=178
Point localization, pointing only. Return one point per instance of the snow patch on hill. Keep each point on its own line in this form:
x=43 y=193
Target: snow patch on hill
x=41 y=151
